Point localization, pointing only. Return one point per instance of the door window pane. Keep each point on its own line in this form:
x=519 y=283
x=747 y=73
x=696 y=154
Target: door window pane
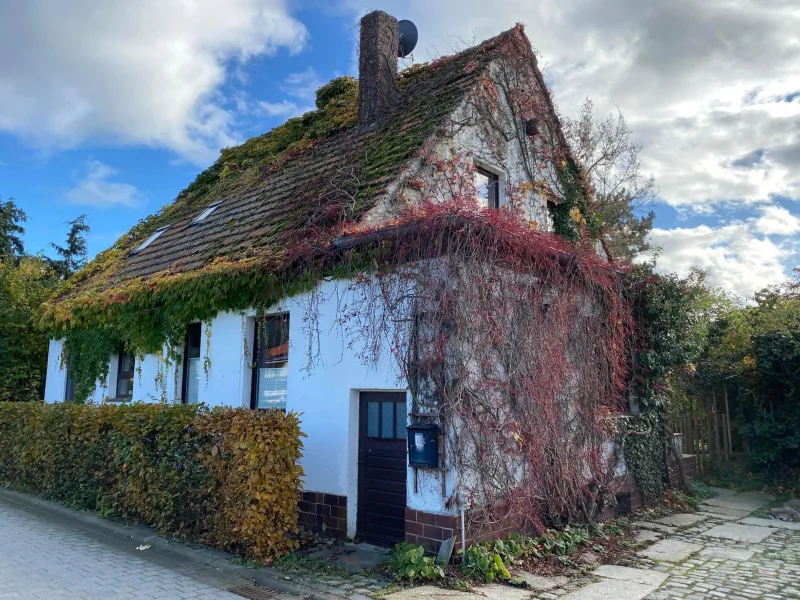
x=372 y=419
x=402 y=419
x=387 y=420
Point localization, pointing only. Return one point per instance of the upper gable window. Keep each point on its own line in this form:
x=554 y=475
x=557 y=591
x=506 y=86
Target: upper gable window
x=155 y=235
x=206 y=213
x=487 y=185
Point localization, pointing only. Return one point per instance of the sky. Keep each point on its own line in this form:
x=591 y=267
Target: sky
x=110 y=108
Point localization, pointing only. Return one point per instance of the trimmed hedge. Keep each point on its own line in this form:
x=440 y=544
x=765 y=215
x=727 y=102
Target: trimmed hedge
x=225 y=477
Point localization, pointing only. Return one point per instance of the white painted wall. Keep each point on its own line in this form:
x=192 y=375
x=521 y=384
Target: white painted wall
x=56 y=383
x=326 y=396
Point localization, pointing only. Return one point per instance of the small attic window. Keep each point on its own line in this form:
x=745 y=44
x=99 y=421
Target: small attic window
x=206 y=213
x=155 y=235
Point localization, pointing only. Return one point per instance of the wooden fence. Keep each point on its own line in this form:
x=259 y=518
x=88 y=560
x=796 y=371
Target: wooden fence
x=709 y=433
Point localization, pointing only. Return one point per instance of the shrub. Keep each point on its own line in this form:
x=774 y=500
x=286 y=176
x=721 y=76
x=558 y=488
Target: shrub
x=224 y=477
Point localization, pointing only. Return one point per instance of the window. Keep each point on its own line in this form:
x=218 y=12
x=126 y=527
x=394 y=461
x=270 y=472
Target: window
x=488 y=186
x=127 y=365
x=203 y=215
x=387 y=420
x=271 y=352
x=191 y=365
x=155 y=235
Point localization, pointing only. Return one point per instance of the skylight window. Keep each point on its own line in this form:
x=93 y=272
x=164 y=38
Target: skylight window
x=205 y=214
x=155 y=235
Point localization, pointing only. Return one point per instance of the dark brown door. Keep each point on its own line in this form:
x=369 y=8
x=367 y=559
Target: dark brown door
x=382 y=467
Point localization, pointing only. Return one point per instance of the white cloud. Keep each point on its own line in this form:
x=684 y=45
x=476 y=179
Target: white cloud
x=736 y=258
x=145 y=72
x=96 y=190
x=776 y=220
x=302 y=87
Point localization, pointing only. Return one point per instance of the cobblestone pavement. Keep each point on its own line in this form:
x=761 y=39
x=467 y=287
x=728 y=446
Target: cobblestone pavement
x=50 y=560
x=771 y=573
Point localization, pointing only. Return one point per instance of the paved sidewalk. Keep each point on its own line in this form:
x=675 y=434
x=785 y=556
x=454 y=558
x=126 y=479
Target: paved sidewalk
x=44 y=557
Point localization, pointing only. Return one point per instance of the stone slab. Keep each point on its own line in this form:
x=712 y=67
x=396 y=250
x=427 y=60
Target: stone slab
x=736 y=503
x=655 y=526
x=762 y=497
x=431 y=593
x=647 y=536
x=723 y=492
x=793 y=503
x=720 y=516
x=609 y=589
x=542 y=584
x=670 y=550
x=740 y=533
x=503 y=592
x=446 y=551
x=728 y=512
x=776 y=523
x=681 y=519
x=653 y=578
x=727 y=553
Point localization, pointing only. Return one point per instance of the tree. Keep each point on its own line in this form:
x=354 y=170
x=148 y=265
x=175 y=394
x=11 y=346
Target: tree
x=74 y=254
x=623 y=194
x=11 y=245
x=25 y=284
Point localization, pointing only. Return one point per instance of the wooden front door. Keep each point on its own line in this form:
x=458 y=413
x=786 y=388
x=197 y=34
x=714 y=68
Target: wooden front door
x=382 y=467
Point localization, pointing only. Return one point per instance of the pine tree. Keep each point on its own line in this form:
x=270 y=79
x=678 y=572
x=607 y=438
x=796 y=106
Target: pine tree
x=74 y=254
x=11 y=231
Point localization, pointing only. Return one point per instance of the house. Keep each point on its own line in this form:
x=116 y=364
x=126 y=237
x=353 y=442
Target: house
x=256 y=288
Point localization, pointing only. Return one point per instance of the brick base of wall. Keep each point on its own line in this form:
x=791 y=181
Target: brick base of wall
x=324 y=512
x=430 y=530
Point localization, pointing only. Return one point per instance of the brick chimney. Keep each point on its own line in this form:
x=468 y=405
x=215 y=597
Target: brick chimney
x=377 y=69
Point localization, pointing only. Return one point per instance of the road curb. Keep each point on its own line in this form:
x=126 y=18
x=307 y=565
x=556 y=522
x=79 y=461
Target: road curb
x=217 y=559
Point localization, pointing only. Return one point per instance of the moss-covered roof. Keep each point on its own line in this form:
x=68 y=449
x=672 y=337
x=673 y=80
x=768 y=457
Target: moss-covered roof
x=305 y=176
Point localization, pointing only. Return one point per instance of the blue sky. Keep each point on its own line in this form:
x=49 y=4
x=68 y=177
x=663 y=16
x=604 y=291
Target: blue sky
x=112 y=108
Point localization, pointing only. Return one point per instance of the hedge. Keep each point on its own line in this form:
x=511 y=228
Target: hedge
x=224 y=477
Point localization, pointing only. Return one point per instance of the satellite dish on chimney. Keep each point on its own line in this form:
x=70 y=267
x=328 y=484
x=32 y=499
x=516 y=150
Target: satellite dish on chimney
x=408 y=38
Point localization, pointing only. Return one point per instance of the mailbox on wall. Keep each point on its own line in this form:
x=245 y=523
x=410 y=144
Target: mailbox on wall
x=423 y=445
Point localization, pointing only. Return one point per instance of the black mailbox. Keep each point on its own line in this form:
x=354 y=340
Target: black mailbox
x=423 y=445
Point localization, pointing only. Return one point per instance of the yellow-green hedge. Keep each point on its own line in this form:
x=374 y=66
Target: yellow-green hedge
x=225 y=477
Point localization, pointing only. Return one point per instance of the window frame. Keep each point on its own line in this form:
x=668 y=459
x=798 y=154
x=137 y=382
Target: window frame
x=396 y=423
x=493 y=186
x=206 y=213
x=186 y=357
x=127 y=375
x=149 y=241
x=257 y=334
